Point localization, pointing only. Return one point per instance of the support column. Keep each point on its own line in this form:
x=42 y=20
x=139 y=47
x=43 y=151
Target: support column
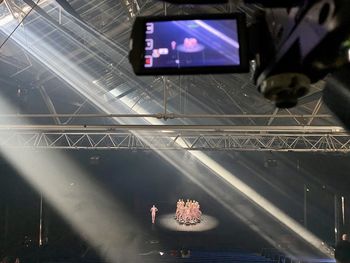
x=306 y=191
x=6 y=224
x=41 y=221
x=336 y=219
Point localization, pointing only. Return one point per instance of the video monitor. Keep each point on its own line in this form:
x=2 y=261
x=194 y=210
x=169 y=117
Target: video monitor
x=189 y=45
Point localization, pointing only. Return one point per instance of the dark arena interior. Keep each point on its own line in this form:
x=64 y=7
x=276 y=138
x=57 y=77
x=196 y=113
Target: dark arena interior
x=100 y=165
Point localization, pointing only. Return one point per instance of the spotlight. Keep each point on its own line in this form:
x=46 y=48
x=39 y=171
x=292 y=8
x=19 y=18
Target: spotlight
x=270 y=163
x=94 y=160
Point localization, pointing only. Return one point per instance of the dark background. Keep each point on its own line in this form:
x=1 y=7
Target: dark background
x=140 y=179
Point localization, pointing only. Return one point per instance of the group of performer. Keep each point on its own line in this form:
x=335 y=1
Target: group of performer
x=188 y=212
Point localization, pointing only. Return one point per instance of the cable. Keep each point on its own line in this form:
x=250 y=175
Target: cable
x=8 y=37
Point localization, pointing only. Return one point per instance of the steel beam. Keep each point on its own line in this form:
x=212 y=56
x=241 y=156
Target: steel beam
x=176 y=128
x=171 y=116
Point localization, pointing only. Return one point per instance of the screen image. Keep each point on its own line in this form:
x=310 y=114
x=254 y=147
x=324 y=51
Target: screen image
x=191 y=43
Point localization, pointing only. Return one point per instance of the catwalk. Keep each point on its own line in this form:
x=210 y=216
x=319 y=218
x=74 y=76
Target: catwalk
x=207 y=223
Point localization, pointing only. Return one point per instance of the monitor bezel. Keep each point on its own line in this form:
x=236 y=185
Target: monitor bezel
x=138 y=36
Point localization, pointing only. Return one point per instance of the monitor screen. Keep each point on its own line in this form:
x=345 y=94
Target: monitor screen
x=191 y=43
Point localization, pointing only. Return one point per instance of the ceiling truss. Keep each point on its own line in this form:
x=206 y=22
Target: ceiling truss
x=226 y=141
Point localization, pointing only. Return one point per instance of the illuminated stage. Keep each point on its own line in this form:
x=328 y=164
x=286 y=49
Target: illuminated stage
x=207 y=223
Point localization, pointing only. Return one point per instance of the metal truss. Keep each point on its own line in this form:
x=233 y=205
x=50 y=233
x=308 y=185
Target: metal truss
x=177 y=140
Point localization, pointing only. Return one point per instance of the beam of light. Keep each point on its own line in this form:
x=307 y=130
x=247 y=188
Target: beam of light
x=83 y=83
x=93 y=213
x=260 y=201
x=217 y=33
x=6 y=20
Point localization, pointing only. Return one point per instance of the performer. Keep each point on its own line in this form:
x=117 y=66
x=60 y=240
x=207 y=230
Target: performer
x=178 y=209
x=198 y=212
x=153 y=211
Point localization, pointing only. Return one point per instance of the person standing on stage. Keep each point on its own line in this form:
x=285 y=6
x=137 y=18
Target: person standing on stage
x=153 y=211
